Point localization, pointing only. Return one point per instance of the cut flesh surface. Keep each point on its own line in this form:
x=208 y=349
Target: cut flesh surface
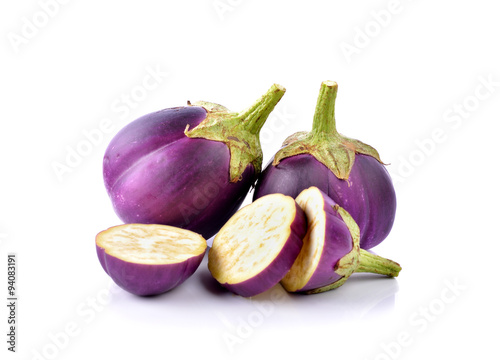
x=151 y=244
x=311 y=201
x=252 y=239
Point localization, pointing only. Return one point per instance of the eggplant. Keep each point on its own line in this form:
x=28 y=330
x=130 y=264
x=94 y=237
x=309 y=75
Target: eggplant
x=149 y=259
x=189 y=167
x=259 y=244
x=331 y=252
x=347 y=170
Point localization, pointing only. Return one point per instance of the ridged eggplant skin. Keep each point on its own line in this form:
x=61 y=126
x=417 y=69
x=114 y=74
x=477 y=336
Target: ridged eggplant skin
x=337 y=243
x=144 y=279
x=155 y=174
x=368 y=195
x=280 y=266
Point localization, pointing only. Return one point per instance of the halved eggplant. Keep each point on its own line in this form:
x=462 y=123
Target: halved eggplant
x=149 y=259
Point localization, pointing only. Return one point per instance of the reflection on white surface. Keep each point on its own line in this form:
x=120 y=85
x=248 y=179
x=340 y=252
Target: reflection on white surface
x=361 y=296
x=237 y=322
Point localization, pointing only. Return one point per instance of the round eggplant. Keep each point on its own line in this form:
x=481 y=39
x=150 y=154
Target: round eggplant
x=189 y=167
x=148 y=259
x=330 y=251
x=258 y=245
x=347 y=170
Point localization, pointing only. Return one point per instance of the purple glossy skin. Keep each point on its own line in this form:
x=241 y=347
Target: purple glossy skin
x=278 y=268
x=368 y=196
x=337 y=244
x=147 y=280
x=154 y=174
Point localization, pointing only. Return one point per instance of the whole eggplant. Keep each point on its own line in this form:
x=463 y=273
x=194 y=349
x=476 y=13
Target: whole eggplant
x=347 y=170
x=189 y=167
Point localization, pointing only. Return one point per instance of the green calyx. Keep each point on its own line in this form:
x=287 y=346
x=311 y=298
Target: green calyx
x=357 y=260
x=239 y=131
x=335 y=151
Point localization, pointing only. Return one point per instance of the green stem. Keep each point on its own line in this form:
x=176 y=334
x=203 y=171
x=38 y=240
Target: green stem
x=324 y=115
x=324 y=143
x=372 y=263
x=239 y=131
x=256 y=115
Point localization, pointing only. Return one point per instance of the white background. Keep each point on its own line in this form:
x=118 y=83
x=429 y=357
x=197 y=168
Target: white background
x=411 y=80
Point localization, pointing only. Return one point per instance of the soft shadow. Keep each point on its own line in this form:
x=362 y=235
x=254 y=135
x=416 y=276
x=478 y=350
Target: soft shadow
x=376 y=293
x=276 y=294
x=210 y=284
x=362 y=296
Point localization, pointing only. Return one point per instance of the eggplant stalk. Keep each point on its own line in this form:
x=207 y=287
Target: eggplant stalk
x=239 y=131
x=358 y=260
x=371 y=263
x=332 y=149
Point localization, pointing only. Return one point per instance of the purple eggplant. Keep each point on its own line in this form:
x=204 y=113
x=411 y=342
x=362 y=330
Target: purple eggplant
x=330 y=251
x=149 y=259
x=258 y=245
x=189 y=167
x=347 y=170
